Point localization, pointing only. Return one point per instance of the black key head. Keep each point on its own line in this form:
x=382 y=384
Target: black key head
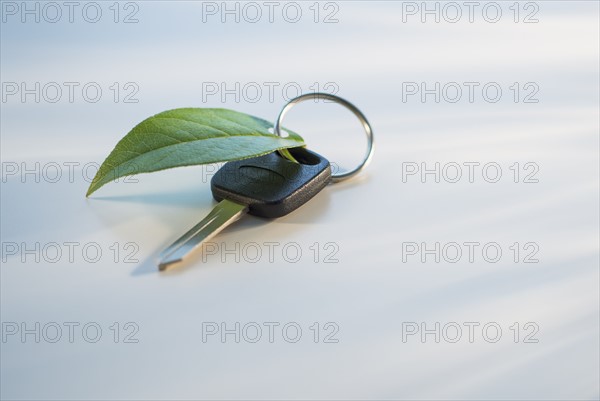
x=271 y=185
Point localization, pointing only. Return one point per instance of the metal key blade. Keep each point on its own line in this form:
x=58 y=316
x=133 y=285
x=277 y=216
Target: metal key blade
x=225 y=213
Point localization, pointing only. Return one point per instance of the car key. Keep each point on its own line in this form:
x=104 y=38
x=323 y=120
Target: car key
x=266 y=186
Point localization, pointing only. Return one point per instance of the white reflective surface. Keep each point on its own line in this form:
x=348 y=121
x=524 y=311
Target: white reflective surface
x=377 y=289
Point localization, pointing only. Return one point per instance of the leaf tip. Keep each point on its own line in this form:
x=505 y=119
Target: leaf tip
x=90 y=191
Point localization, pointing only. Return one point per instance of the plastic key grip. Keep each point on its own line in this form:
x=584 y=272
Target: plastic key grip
x=271 y=185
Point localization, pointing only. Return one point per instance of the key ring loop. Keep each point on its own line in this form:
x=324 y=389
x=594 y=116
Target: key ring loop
x=349 y=106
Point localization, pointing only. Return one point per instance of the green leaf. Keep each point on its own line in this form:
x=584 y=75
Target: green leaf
x=187 y=137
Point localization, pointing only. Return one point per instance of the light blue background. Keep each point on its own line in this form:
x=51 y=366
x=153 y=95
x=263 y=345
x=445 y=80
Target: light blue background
x=368 y=54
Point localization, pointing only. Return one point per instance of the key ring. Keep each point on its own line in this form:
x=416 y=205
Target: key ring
x=349 y=106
